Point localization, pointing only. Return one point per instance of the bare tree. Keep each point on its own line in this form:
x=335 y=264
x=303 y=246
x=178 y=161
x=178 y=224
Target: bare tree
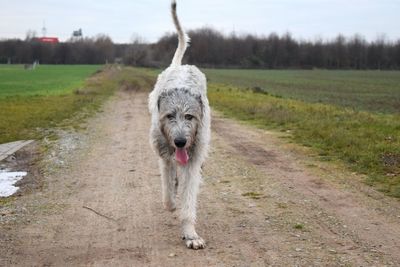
x=30 y=35
x=136 y=52
x=105 y=47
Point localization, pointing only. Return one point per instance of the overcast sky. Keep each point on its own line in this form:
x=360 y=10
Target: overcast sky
x=120 y=19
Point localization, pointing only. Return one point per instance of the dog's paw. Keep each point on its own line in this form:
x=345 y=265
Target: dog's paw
x=169 y=206
x=194 y=243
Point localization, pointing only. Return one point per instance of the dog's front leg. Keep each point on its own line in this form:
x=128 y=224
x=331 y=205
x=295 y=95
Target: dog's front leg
x=169 y=183
x=190 y=188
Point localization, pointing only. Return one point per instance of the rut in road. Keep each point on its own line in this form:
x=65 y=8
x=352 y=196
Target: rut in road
x=258 y=206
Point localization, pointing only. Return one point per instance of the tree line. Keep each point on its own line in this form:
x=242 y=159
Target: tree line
x=210 y=48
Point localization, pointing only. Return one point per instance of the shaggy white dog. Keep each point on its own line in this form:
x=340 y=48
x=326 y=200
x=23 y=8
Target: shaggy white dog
x=180 y=134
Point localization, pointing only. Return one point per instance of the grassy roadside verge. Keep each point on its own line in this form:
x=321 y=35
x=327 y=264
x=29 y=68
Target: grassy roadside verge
x=368 y=143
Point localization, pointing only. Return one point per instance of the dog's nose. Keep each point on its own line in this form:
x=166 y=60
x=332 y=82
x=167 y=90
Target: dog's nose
x=180 y=142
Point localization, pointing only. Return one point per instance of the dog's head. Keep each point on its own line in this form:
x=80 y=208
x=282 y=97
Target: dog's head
x=180 y=113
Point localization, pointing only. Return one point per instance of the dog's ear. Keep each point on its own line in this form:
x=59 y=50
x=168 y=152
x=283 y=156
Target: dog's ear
x=161 y=97
x=199 y=99
x=158 y=103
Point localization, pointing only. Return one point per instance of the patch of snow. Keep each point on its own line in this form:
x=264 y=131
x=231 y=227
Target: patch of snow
x=7 y=181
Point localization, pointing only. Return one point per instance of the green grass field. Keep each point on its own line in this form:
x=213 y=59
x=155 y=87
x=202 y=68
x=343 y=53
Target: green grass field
x=32 y=101
x=356 y=119
x=374 y=91
x=45 y=80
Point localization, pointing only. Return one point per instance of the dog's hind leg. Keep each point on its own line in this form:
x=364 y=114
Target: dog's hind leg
x=169 y=183
x=191 y=178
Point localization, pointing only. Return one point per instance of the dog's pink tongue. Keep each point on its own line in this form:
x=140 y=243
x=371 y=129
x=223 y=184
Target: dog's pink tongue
x=182 y=156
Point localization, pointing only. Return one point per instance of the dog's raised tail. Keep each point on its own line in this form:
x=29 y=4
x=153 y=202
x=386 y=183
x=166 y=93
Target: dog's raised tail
x=183 y=38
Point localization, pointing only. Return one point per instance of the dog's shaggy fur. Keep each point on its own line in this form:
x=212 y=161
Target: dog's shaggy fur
x=180 y=134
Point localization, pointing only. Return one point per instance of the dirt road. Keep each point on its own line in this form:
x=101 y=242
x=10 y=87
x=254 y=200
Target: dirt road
x=264 y=202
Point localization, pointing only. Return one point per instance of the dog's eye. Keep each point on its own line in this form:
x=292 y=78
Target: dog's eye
x=170 y=116
x=188 y=117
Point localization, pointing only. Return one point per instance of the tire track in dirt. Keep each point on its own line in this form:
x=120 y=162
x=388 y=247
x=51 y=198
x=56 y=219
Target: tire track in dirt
x=109 y=210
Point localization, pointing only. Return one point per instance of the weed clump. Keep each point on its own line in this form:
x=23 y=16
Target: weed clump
x=298 y=226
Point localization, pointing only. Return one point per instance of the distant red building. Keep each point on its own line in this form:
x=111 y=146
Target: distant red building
x=52 y=40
